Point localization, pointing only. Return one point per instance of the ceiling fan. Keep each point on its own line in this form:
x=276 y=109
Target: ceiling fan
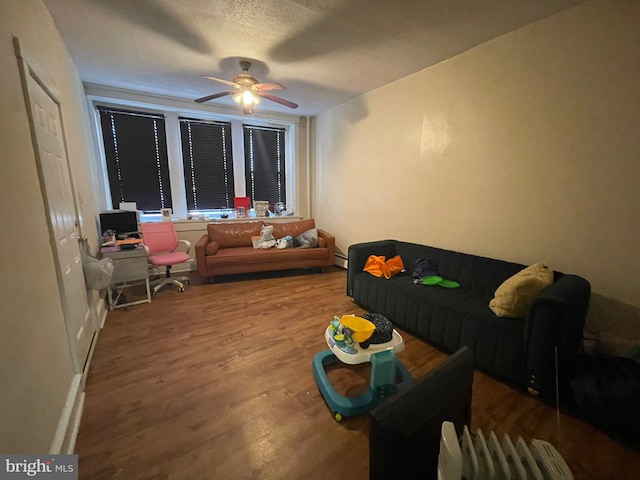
x=248 y=91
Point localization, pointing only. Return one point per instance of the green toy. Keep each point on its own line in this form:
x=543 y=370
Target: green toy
x=438 y=280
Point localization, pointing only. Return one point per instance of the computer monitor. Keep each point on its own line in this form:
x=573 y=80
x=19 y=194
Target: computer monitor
x=123 y=223
x=404 y=430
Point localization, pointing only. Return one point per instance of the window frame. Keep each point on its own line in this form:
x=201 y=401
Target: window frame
x=214 y=157
x=172 y=114
x=249 y=130
x=154 y=164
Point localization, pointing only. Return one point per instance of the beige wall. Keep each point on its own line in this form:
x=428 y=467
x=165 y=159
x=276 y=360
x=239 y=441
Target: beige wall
x=35 y=364
x=525 y=148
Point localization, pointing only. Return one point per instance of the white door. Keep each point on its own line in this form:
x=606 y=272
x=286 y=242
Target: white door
x=57 y=189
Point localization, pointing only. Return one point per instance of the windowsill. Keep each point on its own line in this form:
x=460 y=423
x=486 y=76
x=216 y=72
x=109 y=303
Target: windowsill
x=183 y=225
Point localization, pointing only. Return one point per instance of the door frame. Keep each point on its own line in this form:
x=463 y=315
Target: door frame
x=70 y=416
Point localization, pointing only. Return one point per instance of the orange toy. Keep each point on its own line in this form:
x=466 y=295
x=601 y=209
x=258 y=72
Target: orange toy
x=379 y=266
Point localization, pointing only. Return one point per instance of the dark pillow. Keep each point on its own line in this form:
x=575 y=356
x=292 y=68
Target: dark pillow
x=424 y=267
x=306 y=239
x=606 y=390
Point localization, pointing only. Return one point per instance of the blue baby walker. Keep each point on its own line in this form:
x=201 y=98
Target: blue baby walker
x=384 y=369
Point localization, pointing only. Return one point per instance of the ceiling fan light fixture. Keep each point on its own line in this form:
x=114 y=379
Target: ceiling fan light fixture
x=249 y=91
x=246 y=97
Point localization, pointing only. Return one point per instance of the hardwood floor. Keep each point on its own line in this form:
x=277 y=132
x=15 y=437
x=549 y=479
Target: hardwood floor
x=216 y=383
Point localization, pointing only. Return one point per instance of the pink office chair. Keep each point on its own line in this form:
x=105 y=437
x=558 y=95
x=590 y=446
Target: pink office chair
x=160 y=242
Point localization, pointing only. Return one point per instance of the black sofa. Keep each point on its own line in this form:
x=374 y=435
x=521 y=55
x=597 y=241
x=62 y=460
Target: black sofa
x=518 y=351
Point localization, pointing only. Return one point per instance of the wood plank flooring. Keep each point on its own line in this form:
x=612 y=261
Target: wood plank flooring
x=216 y=383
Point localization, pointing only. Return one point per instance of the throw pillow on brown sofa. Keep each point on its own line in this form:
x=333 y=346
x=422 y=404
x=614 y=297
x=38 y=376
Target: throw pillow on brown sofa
x=308 y=239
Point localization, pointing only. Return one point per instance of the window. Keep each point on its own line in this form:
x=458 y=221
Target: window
x=264 y=156
x=192 y=161
x=135 y=149
x=207 y=161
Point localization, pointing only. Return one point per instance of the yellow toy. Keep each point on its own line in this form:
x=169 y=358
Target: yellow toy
x=350 y=329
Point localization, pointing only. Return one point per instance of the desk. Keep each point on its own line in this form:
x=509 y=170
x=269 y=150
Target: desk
x=129 y=269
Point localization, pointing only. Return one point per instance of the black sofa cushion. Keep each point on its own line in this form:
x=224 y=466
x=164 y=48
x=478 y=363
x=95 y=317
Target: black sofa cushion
x=449 y=318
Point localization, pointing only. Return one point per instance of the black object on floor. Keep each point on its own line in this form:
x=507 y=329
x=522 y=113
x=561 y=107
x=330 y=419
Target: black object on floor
x=607 y=392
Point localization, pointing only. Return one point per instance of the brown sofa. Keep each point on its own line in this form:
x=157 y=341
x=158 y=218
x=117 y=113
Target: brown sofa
x=227 y=248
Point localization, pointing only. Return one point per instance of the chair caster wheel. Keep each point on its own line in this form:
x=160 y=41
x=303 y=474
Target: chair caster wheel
x=155 y=293
x=182 y=290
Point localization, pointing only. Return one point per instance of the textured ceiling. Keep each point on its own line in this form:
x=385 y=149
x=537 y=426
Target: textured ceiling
x=325 y=51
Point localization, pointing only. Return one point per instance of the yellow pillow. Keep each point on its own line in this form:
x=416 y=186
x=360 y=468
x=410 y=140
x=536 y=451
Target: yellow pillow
x=513 y=298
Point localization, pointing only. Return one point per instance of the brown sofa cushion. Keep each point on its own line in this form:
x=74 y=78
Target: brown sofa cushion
x=292 y=228
x=247 y=256
x=230 y=235
x=212 y=248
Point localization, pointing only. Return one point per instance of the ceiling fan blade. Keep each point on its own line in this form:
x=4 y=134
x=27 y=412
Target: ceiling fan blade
x=262 y=87
x=222 y=80
x=211 y=97
x=273 y=98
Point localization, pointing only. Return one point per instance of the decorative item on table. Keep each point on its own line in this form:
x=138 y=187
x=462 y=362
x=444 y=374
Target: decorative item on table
x=244 y=202
x=262 y=208
x=108 y=238
x=197 y=216
x=166 y=214
x=240 y=212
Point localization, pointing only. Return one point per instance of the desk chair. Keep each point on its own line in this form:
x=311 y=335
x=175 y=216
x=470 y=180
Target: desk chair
x=160 y=242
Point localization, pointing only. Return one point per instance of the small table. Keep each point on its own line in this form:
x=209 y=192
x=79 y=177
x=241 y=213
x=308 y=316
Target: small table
x=130 y=268
x=384 y=368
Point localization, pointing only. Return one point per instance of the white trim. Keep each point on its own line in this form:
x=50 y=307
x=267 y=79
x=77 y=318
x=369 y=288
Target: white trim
x=71 y=445
x=31 y=65
x=101 y=311
x=69 y=422
x=175 y=161
x=341 y=261
x=173 y=108
x=130 y=98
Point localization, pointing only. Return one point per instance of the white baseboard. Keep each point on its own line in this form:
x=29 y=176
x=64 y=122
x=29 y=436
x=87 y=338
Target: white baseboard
x=101 y=311
x=69 y=423
x=341 y=261
x=71 y=444
x=64 y=441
